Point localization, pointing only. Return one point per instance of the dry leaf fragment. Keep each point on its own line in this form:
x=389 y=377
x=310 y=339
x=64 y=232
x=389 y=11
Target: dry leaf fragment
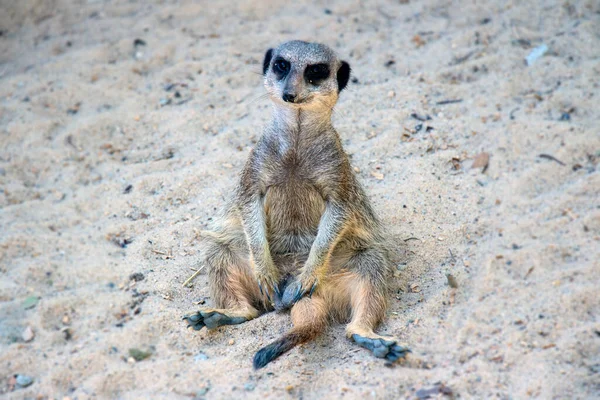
x=418 y=41
x=481 y=161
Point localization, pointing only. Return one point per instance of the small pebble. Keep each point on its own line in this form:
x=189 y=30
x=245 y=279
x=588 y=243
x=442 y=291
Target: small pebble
x=391 y=94
x=139 y=355
x=250 y=386
x=137 y=276
x=28 y=334
x=23 y=381
x=535 y=54
x=202 y=391
x=231 y=342
x=452 y=282
x=377 y=175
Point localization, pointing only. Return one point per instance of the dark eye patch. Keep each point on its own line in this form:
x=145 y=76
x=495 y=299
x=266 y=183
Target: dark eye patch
x=281 y=67
x=316 y=73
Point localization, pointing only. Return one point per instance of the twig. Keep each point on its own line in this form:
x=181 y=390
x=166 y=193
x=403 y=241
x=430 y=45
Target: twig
x=420 y=118
x=452 y=256
x=411 y=238
x=194 y=275
x=441 y=103
x=460 y=60
x=549 y=157
x=162 y=253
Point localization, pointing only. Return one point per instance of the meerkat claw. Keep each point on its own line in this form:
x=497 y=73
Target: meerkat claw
x=299 y=293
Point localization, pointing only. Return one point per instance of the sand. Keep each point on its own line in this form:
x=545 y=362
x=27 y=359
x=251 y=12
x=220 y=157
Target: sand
x=124 y=125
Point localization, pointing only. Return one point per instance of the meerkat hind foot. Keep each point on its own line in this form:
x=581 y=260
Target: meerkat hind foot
x=211 y=319
x=381 y=348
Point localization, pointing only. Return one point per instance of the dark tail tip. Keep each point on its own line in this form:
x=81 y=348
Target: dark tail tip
x=269 y=353
x=276 y=349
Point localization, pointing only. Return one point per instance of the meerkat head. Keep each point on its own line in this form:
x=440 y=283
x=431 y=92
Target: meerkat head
x=304 y=75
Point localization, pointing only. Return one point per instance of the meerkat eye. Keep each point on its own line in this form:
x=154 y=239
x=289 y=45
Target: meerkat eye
x=281 y=66
x=316 y=73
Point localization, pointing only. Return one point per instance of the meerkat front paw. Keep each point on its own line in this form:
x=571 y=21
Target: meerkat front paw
x=268 y=283
x=297 y=289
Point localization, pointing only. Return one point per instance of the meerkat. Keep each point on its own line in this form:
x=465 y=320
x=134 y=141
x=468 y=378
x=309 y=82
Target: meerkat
x=299 y=232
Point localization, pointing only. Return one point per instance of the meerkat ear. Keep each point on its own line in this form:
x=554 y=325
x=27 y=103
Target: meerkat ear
x=343 y=75
x=267 y=60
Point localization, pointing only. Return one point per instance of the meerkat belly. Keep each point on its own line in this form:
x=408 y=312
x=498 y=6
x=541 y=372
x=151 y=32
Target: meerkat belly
x=293 y=209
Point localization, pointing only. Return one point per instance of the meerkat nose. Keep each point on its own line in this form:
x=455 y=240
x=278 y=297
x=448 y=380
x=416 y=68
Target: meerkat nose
x=289 y=97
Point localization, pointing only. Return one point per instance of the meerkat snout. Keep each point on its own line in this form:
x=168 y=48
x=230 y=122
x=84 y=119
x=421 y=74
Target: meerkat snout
x=289 y=97
x=303 y=75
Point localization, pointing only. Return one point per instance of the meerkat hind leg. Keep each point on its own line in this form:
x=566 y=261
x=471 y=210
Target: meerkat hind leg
x=233 y=288
x=368 y=305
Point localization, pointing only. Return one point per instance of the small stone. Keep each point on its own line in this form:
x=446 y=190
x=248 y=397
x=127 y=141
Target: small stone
x=377 y=175
x=391 y=94
x=250 y=386
x=67 y=333
x=452 y=282
x=138 y=276
x=66 y=320
x=231 y=342
x=23 y=381
x=139 y=355
x=30 y=302
x=28 y=334
x=289 y=388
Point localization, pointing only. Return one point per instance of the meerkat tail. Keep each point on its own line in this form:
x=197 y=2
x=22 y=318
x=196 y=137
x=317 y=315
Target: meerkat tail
x=287 y=342
x=309 y=317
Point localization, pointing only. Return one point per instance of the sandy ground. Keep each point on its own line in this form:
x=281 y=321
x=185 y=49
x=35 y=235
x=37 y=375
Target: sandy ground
x=123 y=126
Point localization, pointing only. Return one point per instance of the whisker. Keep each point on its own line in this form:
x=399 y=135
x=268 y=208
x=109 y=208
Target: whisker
x=258 y=98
